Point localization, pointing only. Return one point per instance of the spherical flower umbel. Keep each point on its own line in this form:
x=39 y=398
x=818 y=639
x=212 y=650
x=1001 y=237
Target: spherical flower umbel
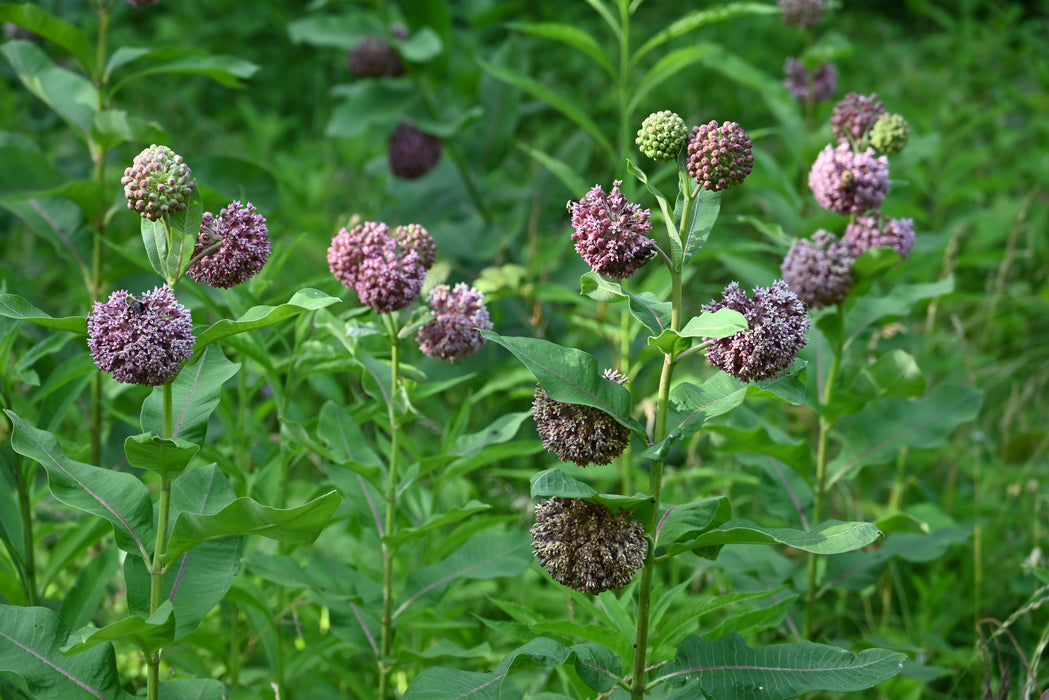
x=587 y=547
x=458 y=313
x=719 y=157
x=777 y=325
x=140 y=340
x=610 y=233
x=577 y=433
x=890 y=133
x=415 y=237
x=849 y=183
x=818 y=269
x=819 y=85
x=662 y=135
x=374 y=57
x=412 y=153
x=367 y=259
x=802 y=13
x=854 y=115
x=231 y=248
x=867 y=232
x=157 y=183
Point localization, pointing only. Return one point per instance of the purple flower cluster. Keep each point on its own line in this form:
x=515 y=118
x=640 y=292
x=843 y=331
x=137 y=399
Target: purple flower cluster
x=458 y=313
x=818 y=85
x=587 y=547
x=367 y=259
x=777 y=326
x=140 y=340
x=719 y=157
x=610 y=233
x=868 y=232
x=157 y=183
x=231 y=248
x=375 y=57
x=846 y=182
x=854 y=116
x=412 y=153
x=802 y=13
x=576 y=433
x=819 y=269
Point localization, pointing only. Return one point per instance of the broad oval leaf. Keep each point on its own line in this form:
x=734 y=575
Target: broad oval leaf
x=680 y=525
x=554 y=483
x=14 y=306
x=195 y=395
x=44 y=24
x=69 y=94
x=150 y=451
x=829 y=537
x=717 y=324
x=148 y=634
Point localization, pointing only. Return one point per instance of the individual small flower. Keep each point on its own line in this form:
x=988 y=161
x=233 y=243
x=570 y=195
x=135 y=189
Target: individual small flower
x=854 y=115
x=140 y=340
x=890 y=133
x=662 y=135
x=867 y=232
x=849 y=183
x=413 y=153
x=819 y=269
x=374 y=57
x=802 y=13
x=458 y=313
x=231 y=248
x=610 y=233
x=777 y=325
x=819 y=85
x=157 y=183
x=587 y=547
x=719 y=157
x=577 y=433
x=415 y=237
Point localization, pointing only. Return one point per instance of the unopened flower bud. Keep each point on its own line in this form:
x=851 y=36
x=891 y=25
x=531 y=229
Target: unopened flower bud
x=890 y=133
x=662 y=135
x=719 y=157
x=157 y=183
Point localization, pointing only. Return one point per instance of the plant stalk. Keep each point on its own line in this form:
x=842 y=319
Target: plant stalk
x=386 y=643
x=156 y=571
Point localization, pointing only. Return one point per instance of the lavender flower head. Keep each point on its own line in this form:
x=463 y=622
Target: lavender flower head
x=866 y=233
x=157 y=183
x=368 y=260
x=819 y=269
x=577 y=433
x=777 y=326
x=819 y=85
x=412 y=153
x=849 y=183
x=719 y=157
x=374 y=57
x=234 y=246
x=854 y=116
x=610 y=233
x=802 y=13
x=662 y=135
x=587 y=547
x=457 y=315
x=415 y=237
x=140 y=340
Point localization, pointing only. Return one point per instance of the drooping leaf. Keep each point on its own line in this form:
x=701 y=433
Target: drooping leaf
x=30 y=641
x=195 y=395
x=570 y=376
x=728 y=668
x=829 y=537
x=148 y=634
x=554 y=483
x=69 y=94
x=680 y=525
x=42 y=23
x=149 y=451
x=14 y=306
x=118 y=497
x=172 y=60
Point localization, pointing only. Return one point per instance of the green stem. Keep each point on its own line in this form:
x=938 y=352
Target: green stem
x=23 y=479
x=386 y=643
x=156 y=571
x=655 y=485
x=825 y=425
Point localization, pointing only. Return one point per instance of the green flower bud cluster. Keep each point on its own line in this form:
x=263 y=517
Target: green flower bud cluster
x=662 y=135
x=890 y=133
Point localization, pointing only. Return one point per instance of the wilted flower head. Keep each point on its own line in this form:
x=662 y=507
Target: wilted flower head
x=819 y=269
x=802 y=13
x=662 y=135
x=610 y=233
x=820 y=84
x=866 y=232
x=777 y=324
x=140 y=340
x=368 y=260
x=577 y=433
x=890 y=133
x=157 y=183
x=234 y=246
x=854 y=116
x=719 y=157
x=374 y=57
x=586 y=546
x=413 y=153
x=849 y=183
x=415 y=237
x=457 y=314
